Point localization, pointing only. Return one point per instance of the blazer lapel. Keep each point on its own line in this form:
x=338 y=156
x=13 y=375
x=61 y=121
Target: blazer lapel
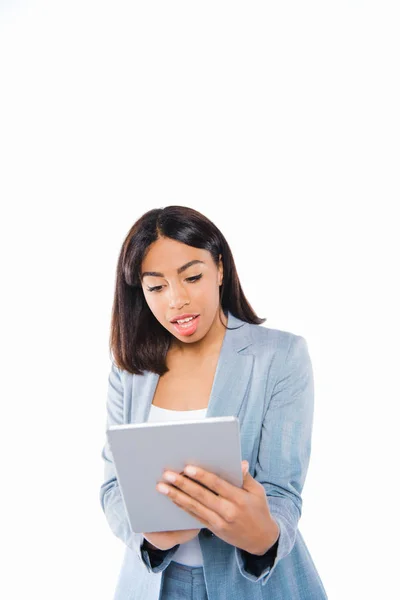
x=233 y=372
x=231 y=379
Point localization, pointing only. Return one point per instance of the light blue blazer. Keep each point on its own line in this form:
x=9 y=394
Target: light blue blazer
x=264 y=377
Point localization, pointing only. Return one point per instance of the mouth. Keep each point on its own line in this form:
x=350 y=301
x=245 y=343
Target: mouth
x=184 y=317
x=187 y=327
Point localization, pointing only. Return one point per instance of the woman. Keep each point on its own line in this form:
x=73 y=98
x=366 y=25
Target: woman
x=184 y=338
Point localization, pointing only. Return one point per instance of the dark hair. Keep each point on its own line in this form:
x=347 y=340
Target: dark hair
x=137 y=340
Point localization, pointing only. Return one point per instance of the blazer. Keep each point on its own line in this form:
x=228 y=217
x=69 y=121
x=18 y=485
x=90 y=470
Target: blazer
x=264 y=377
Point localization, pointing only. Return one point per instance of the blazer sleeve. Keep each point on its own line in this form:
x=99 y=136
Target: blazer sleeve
x=110 y=493
x=284 y=455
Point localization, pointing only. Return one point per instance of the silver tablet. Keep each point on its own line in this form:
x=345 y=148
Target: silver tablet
x=141 y=453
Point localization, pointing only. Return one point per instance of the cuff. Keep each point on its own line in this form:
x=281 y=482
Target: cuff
x=258 y=568
x=156 y=560
x=256 y=564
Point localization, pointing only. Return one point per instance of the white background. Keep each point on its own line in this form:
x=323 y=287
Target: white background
x=281 y=124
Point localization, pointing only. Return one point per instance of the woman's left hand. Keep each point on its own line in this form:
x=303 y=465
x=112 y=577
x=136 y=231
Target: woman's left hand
x=239 y=516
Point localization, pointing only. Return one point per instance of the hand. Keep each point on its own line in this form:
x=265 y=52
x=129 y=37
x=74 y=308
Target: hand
x=239 y=516
x=163 y=540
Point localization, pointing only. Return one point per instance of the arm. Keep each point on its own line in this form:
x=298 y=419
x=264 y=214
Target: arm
x=155 y=555
x=283 y=456
x=257 y=564
x=110 y=494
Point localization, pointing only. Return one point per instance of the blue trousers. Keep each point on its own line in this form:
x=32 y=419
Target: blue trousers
x=181 y=582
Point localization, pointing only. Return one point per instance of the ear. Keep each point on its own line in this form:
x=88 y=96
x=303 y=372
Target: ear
x=221 y=270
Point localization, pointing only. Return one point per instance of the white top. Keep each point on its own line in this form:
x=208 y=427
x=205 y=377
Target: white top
x=188 y=553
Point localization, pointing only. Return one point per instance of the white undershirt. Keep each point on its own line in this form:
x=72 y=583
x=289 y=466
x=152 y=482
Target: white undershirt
x=188 y=553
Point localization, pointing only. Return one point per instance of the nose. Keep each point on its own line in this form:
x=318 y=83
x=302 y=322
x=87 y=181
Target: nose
x=178 y=297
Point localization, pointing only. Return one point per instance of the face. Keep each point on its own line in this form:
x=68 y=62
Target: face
x=176 y=287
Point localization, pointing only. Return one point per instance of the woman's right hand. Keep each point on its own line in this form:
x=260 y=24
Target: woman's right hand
x=164 y=540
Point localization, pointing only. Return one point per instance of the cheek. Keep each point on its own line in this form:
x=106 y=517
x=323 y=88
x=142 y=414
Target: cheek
x=157 y=304
x=149 y=300
x=211 y=290
x=204 y=292
x=152 y=301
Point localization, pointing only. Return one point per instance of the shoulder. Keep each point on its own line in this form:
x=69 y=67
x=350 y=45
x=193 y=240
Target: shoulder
x=277 y=353
x=119 y=377
x=263 y=337
x=276 y=349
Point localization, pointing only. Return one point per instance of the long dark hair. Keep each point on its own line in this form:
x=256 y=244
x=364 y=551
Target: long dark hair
x=138 y=341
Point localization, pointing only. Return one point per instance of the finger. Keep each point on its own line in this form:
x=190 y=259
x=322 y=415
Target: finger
x=184 y=490
x=196 y=516
x=207 y=517
x=252 y=486
x=215 y=483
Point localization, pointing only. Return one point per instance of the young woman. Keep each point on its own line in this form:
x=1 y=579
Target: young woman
x=186 y=342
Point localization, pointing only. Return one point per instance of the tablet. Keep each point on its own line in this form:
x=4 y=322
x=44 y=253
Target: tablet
x=142 y=452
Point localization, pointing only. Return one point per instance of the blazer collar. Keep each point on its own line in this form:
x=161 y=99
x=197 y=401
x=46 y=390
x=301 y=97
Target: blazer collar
x=230 y=383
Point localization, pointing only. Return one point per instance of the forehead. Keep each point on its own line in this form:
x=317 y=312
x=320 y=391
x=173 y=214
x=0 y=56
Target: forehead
x=168 y=255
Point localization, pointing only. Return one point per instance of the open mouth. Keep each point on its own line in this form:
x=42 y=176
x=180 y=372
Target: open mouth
x=187 y=327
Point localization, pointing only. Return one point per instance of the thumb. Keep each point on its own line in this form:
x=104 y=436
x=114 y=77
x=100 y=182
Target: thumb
x=249 y=483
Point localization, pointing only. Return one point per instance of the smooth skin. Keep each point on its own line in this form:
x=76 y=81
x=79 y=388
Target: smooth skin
x=240 y=516
x=164 y=540
x=175 y=294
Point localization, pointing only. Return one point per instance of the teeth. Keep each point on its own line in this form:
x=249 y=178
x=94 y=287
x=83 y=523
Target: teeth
x=185 y=320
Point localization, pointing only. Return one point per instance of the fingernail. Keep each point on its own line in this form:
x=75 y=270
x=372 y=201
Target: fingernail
x=190 y=471
x=170 y=477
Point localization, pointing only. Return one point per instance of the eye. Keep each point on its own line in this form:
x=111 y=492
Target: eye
x=193 y=279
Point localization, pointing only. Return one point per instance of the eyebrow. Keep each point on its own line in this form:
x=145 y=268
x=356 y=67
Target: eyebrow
x=179 y=270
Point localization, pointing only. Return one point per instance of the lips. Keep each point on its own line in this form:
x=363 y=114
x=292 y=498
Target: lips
x=188 y=328
x=184 y=316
